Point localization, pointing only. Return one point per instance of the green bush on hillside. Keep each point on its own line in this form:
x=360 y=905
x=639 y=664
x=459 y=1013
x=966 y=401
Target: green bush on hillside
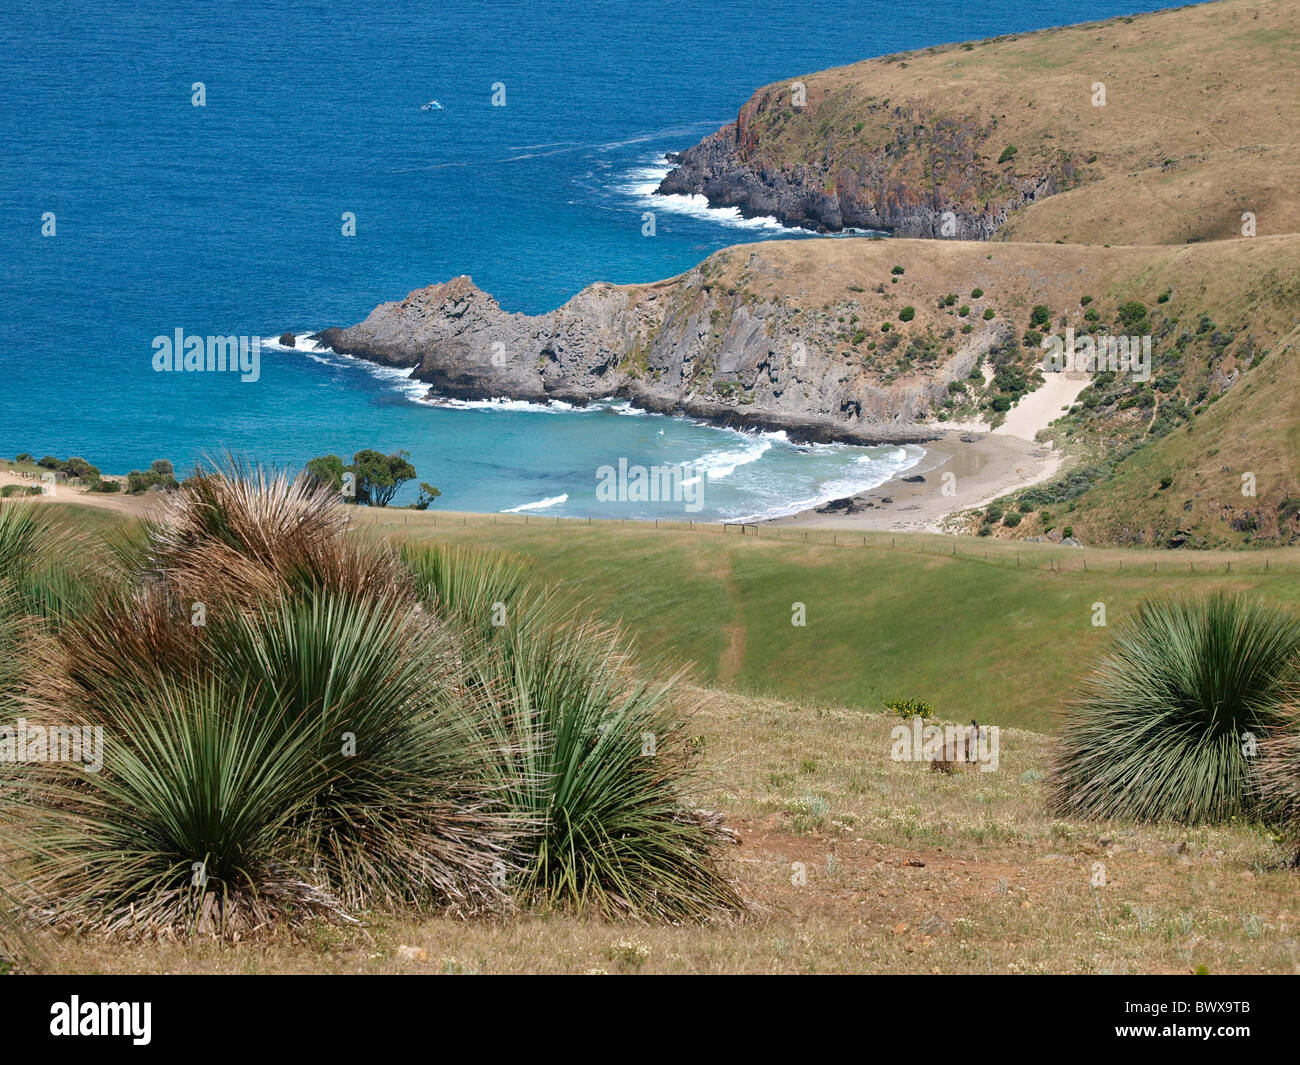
x=910 y=708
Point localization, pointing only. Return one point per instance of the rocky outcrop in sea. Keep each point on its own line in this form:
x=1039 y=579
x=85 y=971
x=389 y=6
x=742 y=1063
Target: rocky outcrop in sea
x=688 y=346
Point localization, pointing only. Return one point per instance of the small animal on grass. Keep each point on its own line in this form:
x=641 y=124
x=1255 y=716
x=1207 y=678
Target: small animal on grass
x=964 y=749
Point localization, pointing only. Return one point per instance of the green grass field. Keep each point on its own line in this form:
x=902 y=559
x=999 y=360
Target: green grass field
x=999 y=632
x=908 y=870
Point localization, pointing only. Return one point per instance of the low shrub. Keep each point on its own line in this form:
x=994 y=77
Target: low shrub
x=910 y=708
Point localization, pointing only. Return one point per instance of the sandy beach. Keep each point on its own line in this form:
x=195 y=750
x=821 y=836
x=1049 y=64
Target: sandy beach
x=968 y=466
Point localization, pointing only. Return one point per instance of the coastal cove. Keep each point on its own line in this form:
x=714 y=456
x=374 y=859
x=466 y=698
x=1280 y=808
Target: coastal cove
x=227 y=220
x=610 y=489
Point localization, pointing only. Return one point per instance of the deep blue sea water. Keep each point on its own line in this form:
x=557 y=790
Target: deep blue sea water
x=227 y=218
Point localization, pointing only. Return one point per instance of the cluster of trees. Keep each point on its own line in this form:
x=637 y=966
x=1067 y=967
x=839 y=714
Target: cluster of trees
x=160 y=474
x=372 y=479
x=75 y=467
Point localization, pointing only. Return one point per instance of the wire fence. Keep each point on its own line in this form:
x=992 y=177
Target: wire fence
x=1045 y=557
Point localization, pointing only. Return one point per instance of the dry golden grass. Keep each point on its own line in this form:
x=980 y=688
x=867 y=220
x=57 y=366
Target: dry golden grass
x=906 y=871
x=1198 y=125
x=1216 y=277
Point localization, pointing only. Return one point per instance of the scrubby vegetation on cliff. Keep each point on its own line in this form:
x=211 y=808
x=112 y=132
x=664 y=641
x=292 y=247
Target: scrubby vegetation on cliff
x=1107 y=132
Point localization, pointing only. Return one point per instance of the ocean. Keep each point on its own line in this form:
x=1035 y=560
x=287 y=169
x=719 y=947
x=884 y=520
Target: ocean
x=229 y=218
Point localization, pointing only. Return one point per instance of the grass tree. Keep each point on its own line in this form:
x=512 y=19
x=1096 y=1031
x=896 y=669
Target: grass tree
x=1168 y=723
x=299 y=720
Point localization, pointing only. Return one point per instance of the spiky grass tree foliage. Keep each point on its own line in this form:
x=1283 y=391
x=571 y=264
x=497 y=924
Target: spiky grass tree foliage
x=307 y=747
x=241 y=534
x=592 y=755
x=17 y=952
x=482 y=591
x=37 y=566
x=303 y=757
x=185 y=826
x=1163 y=727
x=14 y=638
x=403 y=811
x=599 y=760
x=320 y=740
x=39 y=590
x=21 y=531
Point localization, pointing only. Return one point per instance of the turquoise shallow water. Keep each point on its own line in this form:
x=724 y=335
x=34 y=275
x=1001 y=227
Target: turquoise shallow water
x=226 y=219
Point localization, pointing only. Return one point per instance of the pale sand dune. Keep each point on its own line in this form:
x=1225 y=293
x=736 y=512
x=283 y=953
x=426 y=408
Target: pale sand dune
x=1044 y=405
x=982 y=467
x=1036 y=410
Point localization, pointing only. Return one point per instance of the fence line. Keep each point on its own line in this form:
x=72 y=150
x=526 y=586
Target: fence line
x=1073 y=560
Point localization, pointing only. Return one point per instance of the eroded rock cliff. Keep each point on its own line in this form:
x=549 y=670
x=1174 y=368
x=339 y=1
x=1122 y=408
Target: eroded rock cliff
x=731 y=341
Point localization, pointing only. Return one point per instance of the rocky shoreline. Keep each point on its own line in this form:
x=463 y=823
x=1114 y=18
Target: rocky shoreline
x=866 y=187
x=693 y=346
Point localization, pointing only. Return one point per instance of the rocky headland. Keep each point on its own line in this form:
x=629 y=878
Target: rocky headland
x=718 y=343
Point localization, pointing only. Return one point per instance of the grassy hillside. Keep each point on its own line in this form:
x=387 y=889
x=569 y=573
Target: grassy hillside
x=1221 y=317
x=904 y=870
x=882 y=622
x=1161 y=463
x=1198 y=126
x=901 y=616
x=1227 y=478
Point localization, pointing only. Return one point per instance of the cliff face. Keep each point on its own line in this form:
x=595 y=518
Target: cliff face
x=1158 y=129
x=708 y=344
x=924 y=174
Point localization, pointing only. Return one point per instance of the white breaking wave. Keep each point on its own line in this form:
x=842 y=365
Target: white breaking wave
x=875 y=471
x=541 y=504
x=303 y=345
x=555 y=406
x=723 y=463
x=644 y=180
